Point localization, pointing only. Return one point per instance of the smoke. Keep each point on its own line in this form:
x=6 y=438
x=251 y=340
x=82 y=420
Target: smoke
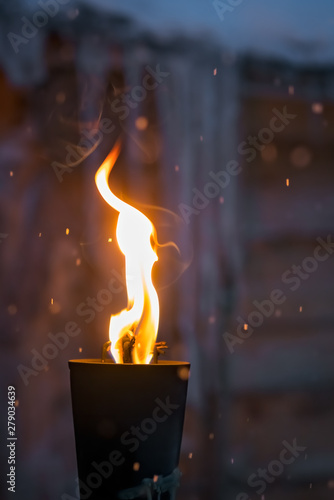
x=173 y=244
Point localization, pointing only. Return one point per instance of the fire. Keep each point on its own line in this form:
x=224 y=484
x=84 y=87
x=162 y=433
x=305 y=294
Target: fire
x=135 y=234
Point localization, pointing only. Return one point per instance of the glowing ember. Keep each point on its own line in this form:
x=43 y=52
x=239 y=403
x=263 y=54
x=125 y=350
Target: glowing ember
x=134 y=232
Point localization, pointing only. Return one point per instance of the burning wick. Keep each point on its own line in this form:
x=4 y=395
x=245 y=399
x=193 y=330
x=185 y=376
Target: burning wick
x=107 y=357
x=127 y=343
x=159 y=349
x=124 y=346
x=133 y=331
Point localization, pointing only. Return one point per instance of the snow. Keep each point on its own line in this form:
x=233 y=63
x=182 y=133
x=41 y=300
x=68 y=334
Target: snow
x=299 y=31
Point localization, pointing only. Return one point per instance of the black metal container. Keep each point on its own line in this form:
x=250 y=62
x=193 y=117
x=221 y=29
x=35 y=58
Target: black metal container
x=128 y=422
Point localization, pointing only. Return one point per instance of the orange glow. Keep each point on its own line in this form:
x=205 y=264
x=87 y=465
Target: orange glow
x=134 y=233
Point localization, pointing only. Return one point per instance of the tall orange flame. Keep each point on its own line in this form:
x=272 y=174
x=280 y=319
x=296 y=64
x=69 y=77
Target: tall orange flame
x=134 y=234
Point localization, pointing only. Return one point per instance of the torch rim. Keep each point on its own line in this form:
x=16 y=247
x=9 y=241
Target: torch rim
x=97 y=361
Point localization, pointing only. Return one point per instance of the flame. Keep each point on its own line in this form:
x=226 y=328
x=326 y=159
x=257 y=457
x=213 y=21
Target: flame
x=134 y=234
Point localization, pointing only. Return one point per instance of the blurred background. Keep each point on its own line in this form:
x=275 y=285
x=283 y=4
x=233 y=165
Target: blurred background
x=226 y=115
